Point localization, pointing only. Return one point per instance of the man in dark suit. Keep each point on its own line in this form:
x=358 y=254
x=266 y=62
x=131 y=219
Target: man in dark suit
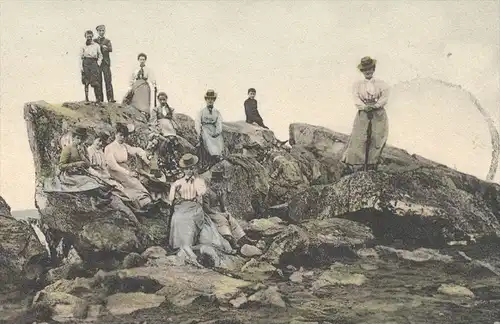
x=106 y=48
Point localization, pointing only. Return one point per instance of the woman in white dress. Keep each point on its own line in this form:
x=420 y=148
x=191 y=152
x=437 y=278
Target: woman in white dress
x=139 y=95
x=116 y=155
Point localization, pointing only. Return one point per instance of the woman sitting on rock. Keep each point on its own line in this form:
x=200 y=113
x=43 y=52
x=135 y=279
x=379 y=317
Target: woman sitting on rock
x=98 y=166
x=73 y=174
x=116 y=155
x=189 y=223
x=162 y=117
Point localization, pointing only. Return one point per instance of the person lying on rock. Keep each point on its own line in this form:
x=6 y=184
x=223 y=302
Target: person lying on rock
x=189 y=224
x=252 y=113
x=209 y=128
x=162 y=117
x=116 y=155
x=214 y=205
x=73 y=174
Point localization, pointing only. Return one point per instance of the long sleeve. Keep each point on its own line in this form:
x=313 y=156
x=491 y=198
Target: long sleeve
x=99 y=55
x=384 y=97
x=197 y=123
x=109 y=46
x=171 y=194
x=110 y=159
x=218 y=126
x=80 y=60
x=360 y=105
x=137 y=151
x=64 y=163
x=207 y=208
x=222 y=201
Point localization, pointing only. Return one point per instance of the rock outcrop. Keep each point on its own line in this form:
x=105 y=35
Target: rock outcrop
x=21 y=253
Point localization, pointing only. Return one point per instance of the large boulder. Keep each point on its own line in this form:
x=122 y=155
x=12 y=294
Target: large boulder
x=21 y=253
x=422 y=206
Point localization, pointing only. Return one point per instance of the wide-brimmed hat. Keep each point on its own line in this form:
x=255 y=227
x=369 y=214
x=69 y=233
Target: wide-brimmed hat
x=367 y=63
x=188 y=160
x=211 y=94
x=80 y=132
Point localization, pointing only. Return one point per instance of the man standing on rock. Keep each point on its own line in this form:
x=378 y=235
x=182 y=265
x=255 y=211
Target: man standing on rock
x=90 y=61
x=371 y=128
x=106 y=48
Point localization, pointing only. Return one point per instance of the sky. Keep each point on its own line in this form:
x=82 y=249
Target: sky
x=301 y=56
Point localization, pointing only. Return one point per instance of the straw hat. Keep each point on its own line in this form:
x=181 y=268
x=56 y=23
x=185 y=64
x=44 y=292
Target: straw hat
x=188 y=160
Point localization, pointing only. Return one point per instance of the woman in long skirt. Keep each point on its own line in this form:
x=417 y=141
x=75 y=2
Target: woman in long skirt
x=139 y=95
x=209 y=127
x=189 y=224
x=371 y=127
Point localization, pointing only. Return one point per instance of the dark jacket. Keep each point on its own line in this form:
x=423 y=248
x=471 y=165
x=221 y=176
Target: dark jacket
x=105 y=52
x=252 y=113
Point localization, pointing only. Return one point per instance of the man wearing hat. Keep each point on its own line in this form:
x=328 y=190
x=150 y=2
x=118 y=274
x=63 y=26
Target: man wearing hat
x=91 y=59
x=106 y=48
x=370 y=130
x=209 y=128
x=214 y=205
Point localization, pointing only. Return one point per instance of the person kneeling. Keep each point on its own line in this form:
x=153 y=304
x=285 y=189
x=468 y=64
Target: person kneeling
x=215 y=207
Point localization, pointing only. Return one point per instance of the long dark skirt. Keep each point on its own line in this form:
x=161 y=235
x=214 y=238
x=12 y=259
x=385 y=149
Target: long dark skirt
x=91 y=74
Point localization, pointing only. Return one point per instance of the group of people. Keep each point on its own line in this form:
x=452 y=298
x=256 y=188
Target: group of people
x=198 y=213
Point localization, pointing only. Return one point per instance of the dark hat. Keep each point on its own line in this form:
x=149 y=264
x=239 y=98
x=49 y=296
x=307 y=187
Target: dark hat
x=100 y=27
x=367 y=63
x=81 y=132
x=218 y=175
x=211 y=94
x=188 y=160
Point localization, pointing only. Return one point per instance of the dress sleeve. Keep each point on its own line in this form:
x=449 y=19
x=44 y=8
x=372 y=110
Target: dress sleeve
x=384 y=96
x=111 y=162
x=360 y=105
x=173 y=189
x=153 y=116
x=218 y=126
x=197 y=123
x=132 y=78
x=137 y=151
x=64 y=163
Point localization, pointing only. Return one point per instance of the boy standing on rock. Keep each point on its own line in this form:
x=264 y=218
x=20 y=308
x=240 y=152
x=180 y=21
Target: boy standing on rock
x=90 y=62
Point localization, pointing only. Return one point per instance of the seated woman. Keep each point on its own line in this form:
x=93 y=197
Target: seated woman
x=73 y=175
x=189 y=222
x=162 y=117
x=98 y=164
x=116 y=155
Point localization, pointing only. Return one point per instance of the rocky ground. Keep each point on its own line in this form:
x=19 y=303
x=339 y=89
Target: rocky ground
x=416 y=242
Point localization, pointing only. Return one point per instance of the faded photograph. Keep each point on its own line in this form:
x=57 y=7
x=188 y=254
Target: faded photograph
x=232 y=162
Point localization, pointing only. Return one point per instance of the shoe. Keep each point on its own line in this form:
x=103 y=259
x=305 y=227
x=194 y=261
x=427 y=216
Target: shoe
x=112 y=101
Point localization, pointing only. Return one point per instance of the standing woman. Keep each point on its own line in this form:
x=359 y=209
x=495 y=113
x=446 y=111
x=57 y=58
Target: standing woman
x=139 y=94
x=209 y=127
x=371 y=127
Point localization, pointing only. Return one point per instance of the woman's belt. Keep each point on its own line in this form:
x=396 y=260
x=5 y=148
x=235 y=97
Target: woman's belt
x=90 y=58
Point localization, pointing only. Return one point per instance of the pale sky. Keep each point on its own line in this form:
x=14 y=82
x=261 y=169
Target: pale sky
x=301 y=56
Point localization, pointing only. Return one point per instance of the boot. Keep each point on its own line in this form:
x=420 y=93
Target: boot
x=246 y=240
x=232 y=241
